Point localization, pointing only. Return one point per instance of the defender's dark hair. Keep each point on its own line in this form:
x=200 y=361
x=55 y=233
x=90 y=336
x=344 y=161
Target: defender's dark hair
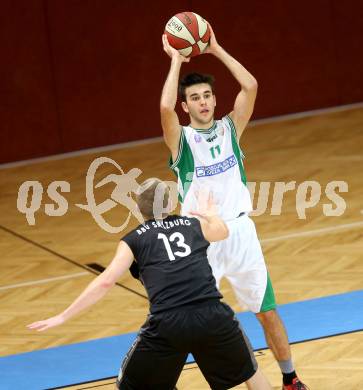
x=192 y=79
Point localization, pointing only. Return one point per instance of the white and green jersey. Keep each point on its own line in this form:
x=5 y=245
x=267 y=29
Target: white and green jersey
x=211 y=160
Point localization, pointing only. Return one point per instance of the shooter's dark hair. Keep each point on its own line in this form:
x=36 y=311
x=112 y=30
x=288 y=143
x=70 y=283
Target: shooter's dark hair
x=192 y=79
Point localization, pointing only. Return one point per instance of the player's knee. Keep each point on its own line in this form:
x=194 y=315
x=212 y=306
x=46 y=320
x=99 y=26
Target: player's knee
x=267 y=317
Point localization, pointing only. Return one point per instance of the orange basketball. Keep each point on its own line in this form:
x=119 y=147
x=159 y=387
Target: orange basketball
x=188 y=32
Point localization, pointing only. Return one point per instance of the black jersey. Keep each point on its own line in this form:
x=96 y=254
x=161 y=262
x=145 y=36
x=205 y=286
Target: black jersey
x=171 y=256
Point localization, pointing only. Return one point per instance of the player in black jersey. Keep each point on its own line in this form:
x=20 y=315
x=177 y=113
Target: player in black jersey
x=186 y=315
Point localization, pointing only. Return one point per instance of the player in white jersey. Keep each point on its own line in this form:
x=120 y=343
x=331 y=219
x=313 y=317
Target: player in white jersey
x=206 y=156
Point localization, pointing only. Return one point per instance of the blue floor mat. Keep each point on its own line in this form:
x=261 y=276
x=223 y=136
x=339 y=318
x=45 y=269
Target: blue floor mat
x=101 y=358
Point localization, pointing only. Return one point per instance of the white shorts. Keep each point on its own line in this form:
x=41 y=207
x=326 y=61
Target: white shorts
x=240 y=259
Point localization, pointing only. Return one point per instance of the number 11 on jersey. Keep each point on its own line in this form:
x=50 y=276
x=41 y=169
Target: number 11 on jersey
x=217 y=148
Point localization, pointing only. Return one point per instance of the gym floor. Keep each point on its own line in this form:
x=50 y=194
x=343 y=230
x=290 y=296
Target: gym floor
x=46 y=265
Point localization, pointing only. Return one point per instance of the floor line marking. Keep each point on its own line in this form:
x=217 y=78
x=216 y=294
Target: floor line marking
x=41 y=281
x=79 y=265
x=313 y=232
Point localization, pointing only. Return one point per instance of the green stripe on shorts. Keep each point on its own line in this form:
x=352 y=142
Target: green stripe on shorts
x=268 y=302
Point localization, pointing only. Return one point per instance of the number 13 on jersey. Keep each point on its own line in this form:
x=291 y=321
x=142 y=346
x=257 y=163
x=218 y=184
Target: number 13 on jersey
x=180 y=244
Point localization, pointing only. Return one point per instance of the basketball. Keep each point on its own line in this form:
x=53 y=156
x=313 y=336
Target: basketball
x=188 y=32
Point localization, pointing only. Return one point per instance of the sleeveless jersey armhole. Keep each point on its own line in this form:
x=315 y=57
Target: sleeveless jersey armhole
x=197 y=227
x=234 y=134
x=236 y=148
x=173 y=164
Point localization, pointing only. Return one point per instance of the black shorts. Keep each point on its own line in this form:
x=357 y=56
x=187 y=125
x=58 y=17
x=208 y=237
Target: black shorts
x=209 y=331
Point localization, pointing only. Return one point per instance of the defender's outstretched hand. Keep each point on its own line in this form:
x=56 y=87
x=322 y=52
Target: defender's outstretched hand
x=213 y=227
x=207 y=206
x=46 y=324
x=171 y=52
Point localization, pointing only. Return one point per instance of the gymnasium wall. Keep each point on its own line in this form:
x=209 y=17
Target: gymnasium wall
x=78 y=74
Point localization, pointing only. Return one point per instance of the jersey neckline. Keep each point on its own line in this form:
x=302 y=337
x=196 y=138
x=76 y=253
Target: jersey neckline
x=206 y=131
x=163 y=219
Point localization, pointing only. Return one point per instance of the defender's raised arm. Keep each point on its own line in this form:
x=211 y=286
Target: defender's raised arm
x=213 y=226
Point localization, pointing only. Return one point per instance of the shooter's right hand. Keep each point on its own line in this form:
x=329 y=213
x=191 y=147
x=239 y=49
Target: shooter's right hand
x=171 y=52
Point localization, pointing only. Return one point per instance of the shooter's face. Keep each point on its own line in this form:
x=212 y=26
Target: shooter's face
x=200 y=103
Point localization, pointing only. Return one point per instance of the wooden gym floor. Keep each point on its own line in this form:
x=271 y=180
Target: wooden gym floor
x=324 y=257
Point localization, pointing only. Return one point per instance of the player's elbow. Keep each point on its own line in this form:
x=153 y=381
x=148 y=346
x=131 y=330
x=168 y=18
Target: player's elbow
x=224 y=232
x=106 y=282
x=166 y=108
x=252 y=85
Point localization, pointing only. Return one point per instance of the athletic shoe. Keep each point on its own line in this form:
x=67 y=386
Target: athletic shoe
x=296 y=385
